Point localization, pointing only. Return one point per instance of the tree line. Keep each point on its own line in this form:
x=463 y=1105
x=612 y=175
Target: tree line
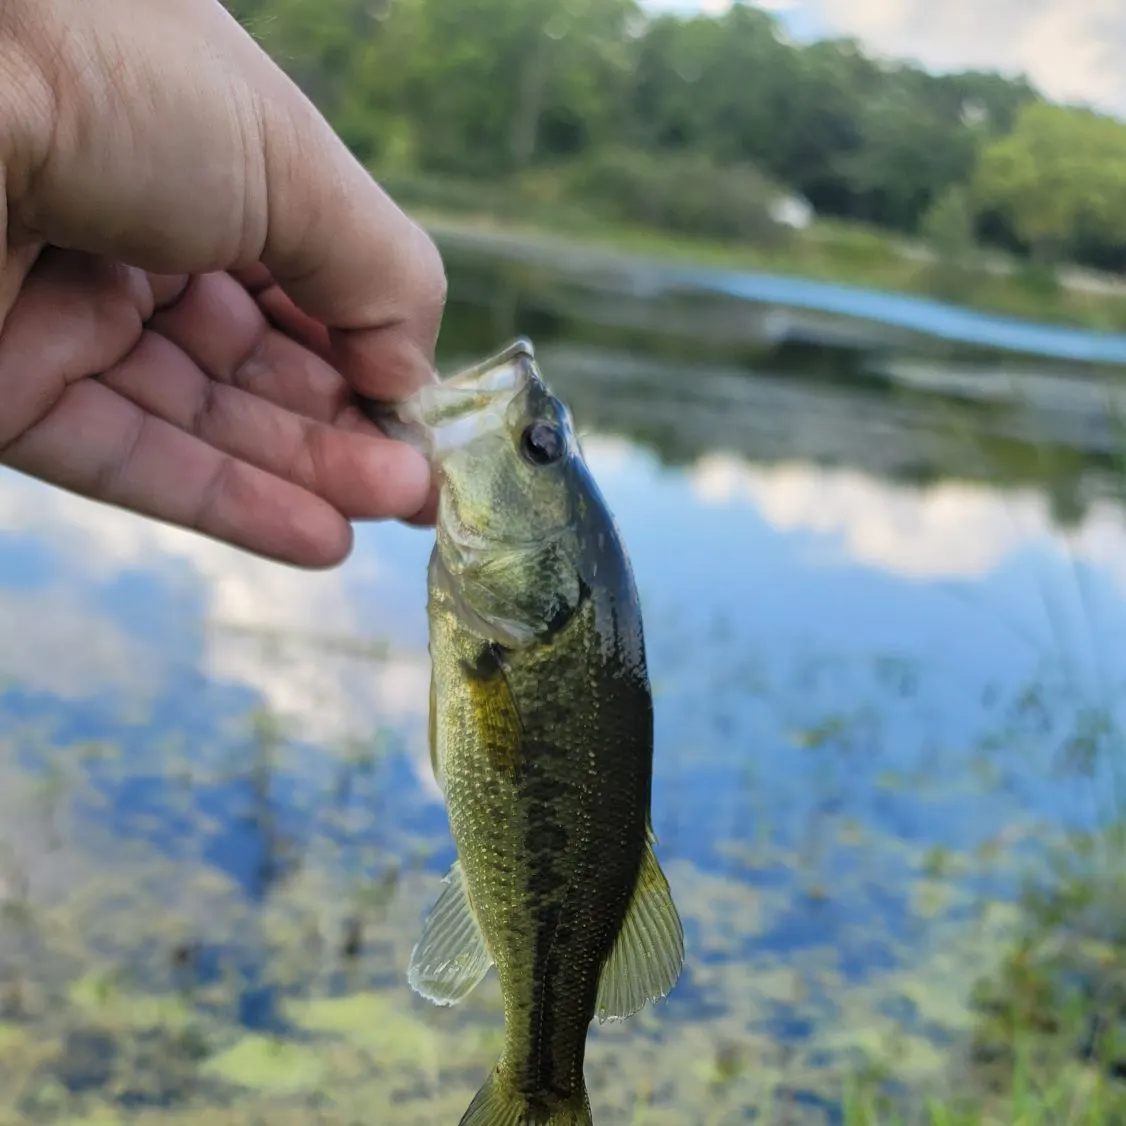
x=689 y=122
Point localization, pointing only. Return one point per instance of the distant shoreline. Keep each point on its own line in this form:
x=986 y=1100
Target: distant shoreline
x=838 y=253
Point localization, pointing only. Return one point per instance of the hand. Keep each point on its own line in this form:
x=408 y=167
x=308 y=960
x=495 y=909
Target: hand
x=196 y=280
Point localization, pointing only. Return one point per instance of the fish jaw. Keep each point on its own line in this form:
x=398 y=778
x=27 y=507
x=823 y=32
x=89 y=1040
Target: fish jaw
x=442 y=417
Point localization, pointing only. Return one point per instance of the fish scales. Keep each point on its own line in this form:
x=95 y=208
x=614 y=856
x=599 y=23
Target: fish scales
x=551 y=832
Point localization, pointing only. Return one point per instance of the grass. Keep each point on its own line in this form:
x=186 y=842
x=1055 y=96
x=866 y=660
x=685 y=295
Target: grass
x=833 y=251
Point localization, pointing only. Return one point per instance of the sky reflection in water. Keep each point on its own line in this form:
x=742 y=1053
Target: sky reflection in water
x=777 y=597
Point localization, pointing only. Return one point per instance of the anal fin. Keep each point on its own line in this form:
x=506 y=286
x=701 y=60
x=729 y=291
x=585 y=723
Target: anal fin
x=451 y=957
x=648 y=954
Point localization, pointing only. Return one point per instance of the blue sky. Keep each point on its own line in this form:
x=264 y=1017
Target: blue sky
x=1073 y=49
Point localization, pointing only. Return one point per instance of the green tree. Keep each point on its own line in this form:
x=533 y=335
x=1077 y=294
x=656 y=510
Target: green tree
x=547 y=92
x=716 y=85
x=915 y=142
x=1058 y=179
x=492 y=85
x=831 y=82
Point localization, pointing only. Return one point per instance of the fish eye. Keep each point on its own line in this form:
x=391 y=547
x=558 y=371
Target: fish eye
x=541 y=443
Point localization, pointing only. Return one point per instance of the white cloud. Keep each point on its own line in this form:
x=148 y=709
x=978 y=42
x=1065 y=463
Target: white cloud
x=1072 y=49
x=953 y=530
x=712 y=7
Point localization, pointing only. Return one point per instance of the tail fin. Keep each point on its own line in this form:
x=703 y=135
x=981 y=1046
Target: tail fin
x=499 y=1104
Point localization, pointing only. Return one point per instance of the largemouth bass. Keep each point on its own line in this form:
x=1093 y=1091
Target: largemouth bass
x=541 y=737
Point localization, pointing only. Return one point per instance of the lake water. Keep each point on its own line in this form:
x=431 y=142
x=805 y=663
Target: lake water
x=884 y=582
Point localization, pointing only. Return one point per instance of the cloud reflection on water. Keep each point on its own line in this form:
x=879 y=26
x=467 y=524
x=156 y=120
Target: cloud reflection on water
x=237 y=610
x=62 y=633
x=952 y=529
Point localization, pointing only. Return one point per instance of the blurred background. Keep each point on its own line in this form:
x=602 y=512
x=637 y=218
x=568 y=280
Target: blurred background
x=834 y=291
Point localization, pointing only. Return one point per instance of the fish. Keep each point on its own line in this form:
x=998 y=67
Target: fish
x=541 y=739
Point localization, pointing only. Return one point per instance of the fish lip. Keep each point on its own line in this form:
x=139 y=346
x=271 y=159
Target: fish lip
x=477 y=375
x=435 y=417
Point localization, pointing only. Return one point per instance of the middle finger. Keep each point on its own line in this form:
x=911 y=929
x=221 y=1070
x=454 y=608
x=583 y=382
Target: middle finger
x=222 y=329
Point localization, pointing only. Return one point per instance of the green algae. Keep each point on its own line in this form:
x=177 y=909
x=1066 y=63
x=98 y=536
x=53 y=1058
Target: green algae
x=100 y=994
x=263 y=1063
x=97 y=1117
x=933 y=897
x=378 y=1023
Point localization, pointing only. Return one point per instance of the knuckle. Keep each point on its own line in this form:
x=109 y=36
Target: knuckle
x=428 y=286
x=107 y=477
x=253 y=366
x=207 y=409
x=307 y=465
x=206 y=514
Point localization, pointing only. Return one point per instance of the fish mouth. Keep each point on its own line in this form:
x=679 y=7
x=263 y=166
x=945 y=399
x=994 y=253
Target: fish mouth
x=444 y=416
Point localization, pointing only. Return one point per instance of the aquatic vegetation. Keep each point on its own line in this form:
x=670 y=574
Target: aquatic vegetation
x=154 y=988
x=264 y=1063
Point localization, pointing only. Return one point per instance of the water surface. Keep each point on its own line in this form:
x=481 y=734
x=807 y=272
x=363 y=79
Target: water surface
x=886 y=612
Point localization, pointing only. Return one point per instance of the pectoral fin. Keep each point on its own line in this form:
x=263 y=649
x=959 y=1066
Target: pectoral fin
x=648 y=954
x=451 y=957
